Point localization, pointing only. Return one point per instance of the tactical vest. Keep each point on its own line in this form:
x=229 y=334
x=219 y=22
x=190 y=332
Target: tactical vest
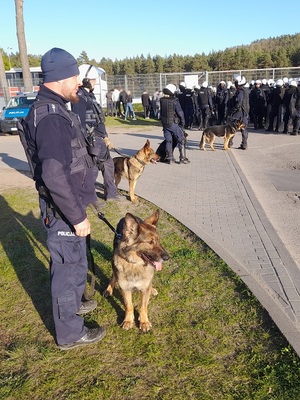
x=94 y=114
x=167 y=111
x=81 y=160
x=203 y=96
x=245 y=102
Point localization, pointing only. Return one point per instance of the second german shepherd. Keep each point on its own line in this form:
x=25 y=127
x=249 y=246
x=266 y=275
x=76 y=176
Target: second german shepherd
x=131 y=168
x=137 y=255
x=228 y=131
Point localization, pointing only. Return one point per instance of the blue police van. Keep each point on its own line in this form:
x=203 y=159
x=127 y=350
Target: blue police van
x=17 y=108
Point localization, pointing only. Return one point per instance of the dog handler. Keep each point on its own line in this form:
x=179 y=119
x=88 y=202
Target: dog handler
x=65 y=176
x=92 y=119
x=172 y=117
x=240 y=109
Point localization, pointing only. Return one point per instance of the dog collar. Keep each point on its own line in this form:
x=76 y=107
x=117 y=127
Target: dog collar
x=140 y=161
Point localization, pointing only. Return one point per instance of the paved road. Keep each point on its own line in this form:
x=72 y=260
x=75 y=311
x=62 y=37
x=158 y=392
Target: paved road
x=244 y=204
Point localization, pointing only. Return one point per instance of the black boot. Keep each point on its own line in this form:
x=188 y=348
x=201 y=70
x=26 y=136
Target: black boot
x=184 y=160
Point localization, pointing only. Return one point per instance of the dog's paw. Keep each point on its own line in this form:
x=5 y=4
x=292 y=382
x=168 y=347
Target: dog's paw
x=107 y=292
x=145 y=326
x=154 y=292
x=127 y=325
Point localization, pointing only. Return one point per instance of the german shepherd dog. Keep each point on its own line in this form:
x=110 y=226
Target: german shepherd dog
x=228 y=131
x=131 y=168
x=137 y=255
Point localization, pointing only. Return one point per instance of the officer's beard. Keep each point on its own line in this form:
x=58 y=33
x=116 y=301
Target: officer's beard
x=75 y=98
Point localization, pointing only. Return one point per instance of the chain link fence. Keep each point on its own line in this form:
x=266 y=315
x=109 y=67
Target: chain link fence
x=137 y=84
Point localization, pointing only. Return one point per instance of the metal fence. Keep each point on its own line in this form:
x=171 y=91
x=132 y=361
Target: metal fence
x=137 y=84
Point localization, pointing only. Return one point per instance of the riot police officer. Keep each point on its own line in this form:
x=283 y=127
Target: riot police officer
x=172 y=119
x=205 y=105
x=239 y=108
x=92 y=119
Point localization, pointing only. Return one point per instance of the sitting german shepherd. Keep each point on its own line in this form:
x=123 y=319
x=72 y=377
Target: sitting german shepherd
x=137 y=255
x=131 y=168
x=228 y=131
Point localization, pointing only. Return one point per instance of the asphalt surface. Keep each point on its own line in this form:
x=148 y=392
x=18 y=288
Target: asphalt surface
x=244 y=204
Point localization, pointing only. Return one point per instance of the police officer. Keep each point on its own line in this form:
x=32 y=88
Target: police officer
x=257 y=101
x=221 y=101
x=172 y=119
x=205 y=105
x=276 y=101
x=92 y=119
x=289 y=95
x=240 y=108
x=65 y=177
x=189 y=107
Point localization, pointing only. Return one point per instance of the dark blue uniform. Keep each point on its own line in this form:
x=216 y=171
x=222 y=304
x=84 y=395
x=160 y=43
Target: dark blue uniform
x=239 y=109
x=92 y=117
x=65 y=169
x=171 y=116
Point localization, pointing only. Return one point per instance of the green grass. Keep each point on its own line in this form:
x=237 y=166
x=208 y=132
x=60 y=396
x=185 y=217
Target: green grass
x=211 y=339
x=140 y=122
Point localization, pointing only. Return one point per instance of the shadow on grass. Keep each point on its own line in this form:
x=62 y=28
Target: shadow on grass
x=23 y=240
x=21 y=237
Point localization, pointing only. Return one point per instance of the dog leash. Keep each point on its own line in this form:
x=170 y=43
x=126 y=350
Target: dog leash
x=102 y=217
x=121 y=154
x=96 y=208
x=89 y=294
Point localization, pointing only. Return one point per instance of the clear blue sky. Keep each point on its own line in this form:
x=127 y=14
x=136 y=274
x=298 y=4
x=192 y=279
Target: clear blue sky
x=157 y=27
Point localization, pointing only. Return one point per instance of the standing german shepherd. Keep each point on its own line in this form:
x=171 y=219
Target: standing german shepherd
x=228 y=131
x=131 y=168
x=137 y=255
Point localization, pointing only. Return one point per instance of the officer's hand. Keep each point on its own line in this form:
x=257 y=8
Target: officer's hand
x=108 y=143
x=83 y=228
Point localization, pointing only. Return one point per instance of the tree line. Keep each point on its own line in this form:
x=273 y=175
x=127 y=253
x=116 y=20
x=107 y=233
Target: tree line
x=277 y=52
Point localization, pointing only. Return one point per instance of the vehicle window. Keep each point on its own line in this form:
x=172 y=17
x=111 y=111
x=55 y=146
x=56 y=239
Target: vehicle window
x=20 y=101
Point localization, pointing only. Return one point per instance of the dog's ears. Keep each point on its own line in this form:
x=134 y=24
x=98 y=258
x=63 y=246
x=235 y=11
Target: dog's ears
x=147 y=144
x=153 y=219
x=130 y=227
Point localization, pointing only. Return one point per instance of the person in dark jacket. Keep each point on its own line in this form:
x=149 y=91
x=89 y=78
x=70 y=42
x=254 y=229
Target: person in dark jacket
x=288 y=97
x=220 y=102
x=239 y=108
x=146 y=103
x=276 y=102
x=205 y=105
x=65 y=177
x=129 y=107
x=189 y=107
x=93 y=122
x=122 y=102
x=296 y=112
x=257 y=102
x=172 y=119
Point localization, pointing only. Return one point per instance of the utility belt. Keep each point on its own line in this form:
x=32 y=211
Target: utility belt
x=99 y=153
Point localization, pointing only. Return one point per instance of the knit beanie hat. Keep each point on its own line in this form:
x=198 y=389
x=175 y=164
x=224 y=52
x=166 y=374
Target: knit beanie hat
x=57 y=64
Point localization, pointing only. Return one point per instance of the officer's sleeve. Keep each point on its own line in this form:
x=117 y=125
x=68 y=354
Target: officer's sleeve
x=54 y=151
x=180 y=113
x=101 y=130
